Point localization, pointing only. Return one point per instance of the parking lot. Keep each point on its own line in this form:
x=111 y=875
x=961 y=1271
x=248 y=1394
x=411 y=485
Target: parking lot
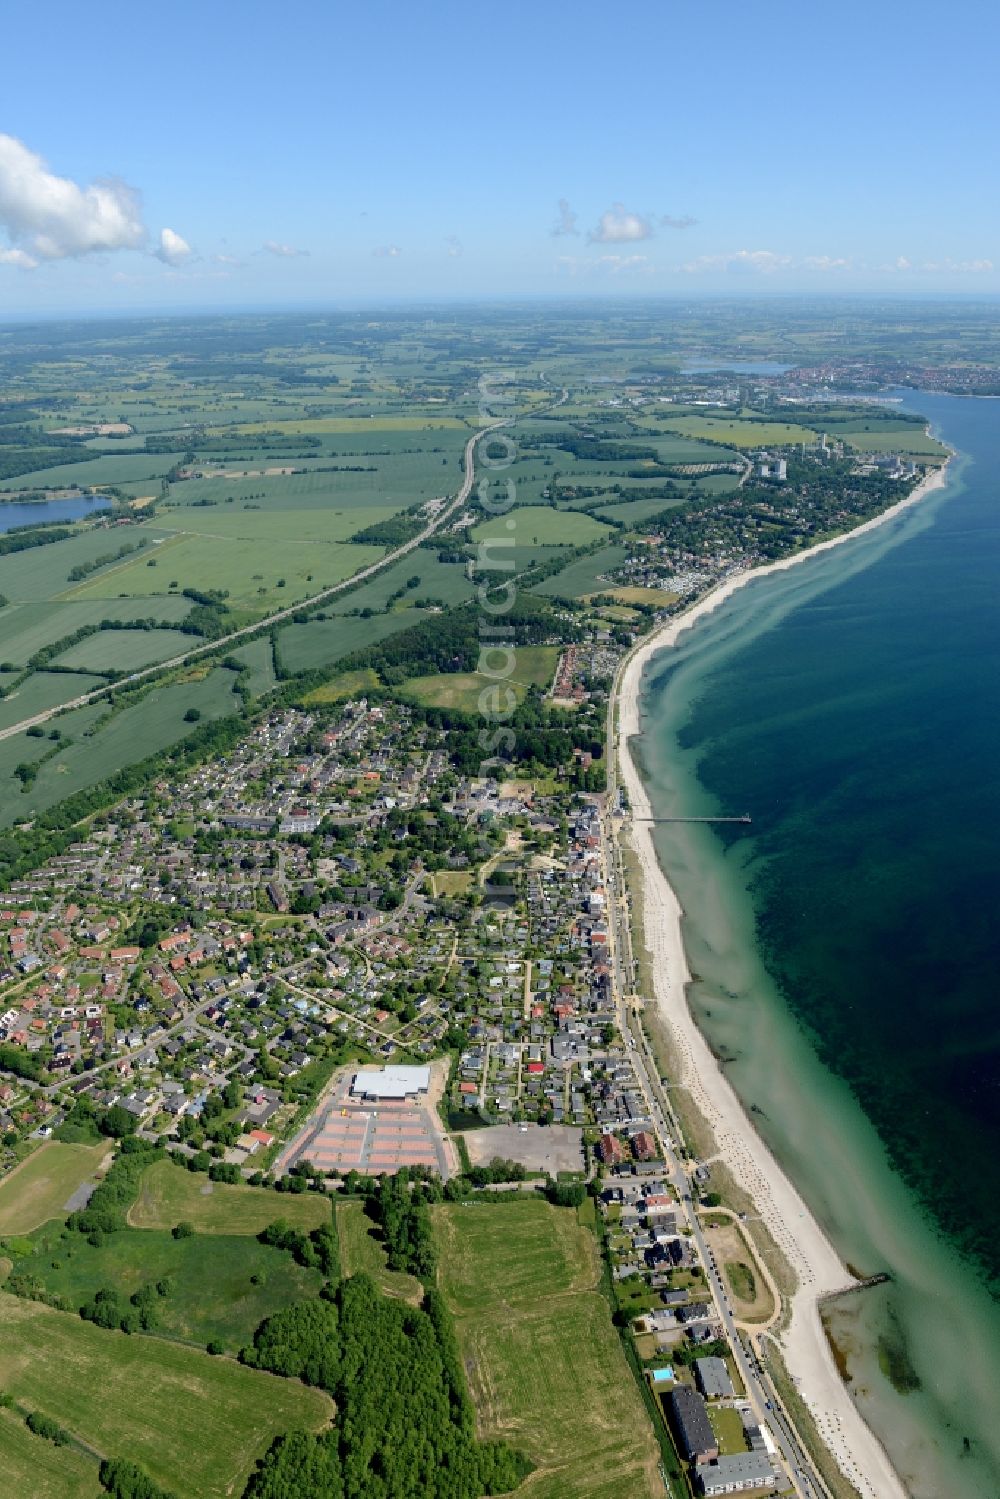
x=549 y=1148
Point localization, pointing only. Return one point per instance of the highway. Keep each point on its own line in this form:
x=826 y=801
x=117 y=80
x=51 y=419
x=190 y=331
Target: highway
x=763 y=1399
x=446 y=512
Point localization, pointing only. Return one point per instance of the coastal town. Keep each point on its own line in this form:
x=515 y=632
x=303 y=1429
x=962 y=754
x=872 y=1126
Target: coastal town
x=323 y=950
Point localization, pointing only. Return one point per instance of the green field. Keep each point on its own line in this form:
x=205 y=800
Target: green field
x=249 y=571
x=197 y=1424
x=743 y=434
x=125 y=650
x=534 y=666
x=908 y=440
x=42 y=690
x=43 y=572
x=131 y=734
x=545 y=1365
x=355 y=425
x=169 y=1195
x=321 y=642
x=222 y=1286
x=258 y=657
x=26 y=628
x=441 y=581
x=538 y=525
x=584 y=576
x=272 y=523
x=42 y=1185
x=36 y=1469
x=362 y=1253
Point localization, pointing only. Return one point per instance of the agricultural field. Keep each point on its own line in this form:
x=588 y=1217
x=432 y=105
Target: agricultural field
x=33 y=1466
x=41 y=1186
x=321 y=642
x=909 y=440
x=361 y=1252
x=125 y=650
x=584 y=576
x=258 y=575
x=43 y=573
x=534 y=666
x=103 y=742
x=258 y=657
x=221 y=1286
x=741 y=433
x=539 y=525
x=197 y=1424
x=27 y=628
x=169 y=1195
x=443 y=582
x=660 y=598
x=42 y=690
x=545 y=1364
x=355 y=426
x=281 y=523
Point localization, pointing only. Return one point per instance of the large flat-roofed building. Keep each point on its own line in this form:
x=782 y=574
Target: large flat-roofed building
x=713 y=1378
x=692 y=1428
x=391 y=1082
x=737 y=1474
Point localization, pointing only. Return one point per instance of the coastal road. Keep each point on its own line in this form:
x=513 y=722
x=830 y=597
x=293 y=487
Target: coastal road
x=446 y=512
x=761 y=1394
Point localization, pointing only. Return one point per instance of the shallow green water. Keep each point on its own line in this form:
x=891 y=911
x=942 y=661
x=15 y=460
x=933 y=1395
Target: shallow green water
x=847 y=948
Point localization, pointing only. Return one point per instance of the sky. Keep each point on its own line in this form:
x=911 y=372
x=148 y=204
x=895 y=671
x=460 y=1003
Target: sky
x=318 y=153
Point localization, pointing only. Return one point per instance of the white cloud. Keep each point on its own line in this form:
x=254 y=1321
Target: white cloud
x=618 y=263
x=565 y=220
x=763 y=261
x=288 y=252
x=826 y=263
x=386 y=252
x=958 y=267
x=52 y=218
x=20 y=258
x=617 y=226
x=172 y=249
x=227 y=260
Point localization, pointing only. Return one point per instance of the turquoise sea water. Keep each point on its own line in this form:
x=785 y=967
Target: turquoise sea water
x=847 y=945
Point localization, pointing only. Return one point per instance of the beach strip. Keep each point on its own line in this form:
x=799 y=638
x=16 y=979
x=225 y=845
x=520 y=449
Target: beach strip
x=818 y=1268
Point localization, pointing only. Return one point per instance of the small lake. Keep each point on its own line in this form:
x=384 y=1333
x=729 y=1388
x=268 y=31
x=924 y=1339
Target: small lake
x=13 y=515
x=735 y=367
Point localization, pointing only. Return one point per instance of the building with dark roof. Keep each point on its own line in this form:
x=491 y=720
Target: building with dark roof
x=690 y=1424
x=736 y=1474
x=713 y=1378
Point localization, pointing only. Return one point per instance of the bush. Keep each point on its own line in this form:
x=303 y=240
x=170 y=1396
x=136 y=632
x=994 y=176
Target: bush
x=182 y=1230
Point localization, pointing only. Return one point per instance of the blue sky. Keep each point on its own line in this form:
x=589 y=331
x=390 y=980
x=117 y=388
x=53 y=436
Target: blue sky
x=225 y=155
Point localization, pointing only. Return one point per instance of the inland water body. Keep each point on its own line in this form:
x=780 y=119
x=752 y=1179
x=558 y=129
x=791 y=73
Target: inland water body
x=846 y=946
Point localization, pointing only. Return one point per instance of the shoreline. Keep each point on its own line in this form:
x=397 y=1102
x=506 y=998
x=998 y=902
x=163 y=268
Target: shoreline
x=818 y=1269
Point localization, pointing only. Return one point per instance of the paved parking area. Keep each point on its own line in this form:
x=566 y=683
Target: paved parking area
x=349 y=1135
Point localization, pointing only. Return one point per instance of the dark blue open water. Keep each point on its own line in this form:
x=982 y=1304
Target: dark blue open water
x=859 y=722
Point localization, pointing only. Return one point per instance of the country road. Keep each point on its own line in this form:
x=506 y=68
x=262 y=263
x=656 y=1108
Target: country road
x=445 y=513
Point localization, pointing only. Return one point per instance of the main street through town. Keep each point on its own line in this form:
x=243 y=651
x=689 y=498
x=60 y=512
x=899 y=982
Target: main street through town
x=767 y=1408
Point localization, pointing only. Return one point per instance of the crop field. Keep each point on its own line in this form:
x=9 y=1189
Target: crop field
x=113 y=468
x=125 y=650
x=742 y=434
x=129 y=735
x=350 y=425
x=282 y=523
x=259 y=658
x=584 y=576
x=26 y=628
x=444 y=582
x=546 y=1368
x=169 y=1195
x=321 y=642
x=362 y=1253
x=42 y=1185
x=909 y=440
x=43 y=572
x=33 y=1466
x=634 y=512
x=221 y=1286
x=534 y=666
x=658 y=597
x=250 y=571
x=539 y=525
x=43 y=689
x=197 y=1424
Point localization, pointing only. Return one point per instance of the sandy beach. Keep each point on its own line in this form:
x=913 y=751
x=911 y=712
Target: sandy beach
x=818 y=1269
